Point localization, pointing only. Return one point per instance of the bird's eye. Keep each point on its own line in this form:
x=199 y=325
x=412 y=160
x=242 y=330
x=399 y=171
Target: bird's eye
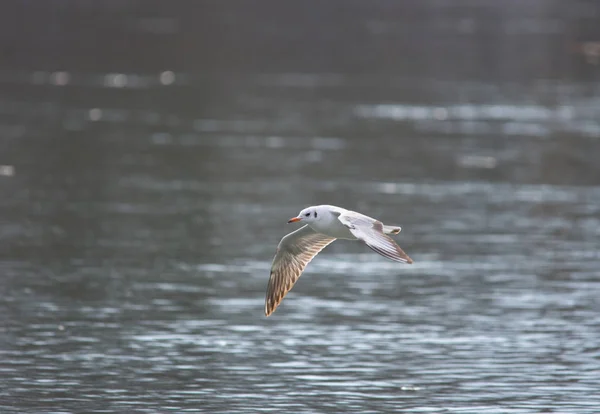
x=307 y=214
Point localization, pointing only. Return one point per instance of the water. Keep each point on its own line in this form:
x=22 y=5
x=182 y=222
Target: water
x=141 y=211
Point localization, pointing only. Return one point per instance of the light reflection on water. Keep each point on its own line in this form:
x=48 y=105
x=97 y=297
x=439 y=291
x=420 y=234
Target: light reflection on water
x=159 y=303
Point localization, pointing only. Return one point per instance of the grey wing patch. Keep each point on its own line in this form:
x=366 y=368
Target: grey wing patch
x=294 y=252
x=371 y=232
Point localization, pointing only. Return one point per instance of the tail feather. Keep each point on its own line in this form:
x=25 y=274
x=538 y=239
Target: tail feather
x=391 y=229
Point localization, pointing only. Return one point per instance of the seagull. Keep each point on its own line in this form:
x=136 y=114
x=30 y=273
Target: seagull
x=324 y=224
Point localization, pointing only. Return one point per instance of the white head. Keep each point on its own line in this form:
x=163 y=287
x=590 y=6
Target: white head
x=310 y=215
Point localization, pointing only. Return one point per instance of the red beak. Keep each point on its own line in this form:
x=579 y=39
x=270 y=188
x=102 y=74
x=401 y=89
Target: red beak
x=294 y=219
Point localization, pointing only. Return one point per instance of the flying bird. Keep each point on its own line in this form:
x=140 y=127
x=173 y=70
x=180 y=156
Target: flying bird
x=324 y=224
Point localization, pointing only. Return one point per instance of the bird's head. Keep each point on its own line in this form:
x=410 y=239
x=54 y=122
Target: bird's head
x=308 y=215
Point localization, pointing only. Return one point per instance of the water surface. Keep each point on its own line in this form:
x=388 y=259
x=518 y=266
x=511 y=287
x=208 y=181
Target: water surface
x=141 y=211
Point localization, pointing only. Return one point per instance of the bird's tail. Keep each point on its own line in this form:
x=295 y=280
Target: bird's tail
x=391 y=229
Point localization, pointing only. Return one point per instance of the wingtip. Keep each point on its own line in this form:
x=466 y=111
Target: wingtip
x=269 y=309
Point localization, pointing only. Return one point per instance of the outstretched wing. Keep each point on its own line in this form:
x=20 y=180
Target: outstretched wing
x=294 y=252
x=370 y=231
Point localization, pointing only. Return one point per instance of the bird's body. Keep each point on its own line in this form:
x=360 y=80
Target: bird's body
x=330 y=225
x=325 y=224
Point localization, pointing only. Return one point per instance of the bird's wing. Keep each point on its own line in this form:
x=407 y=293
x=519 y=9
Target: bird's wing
x=294 y=252
x=370 y=231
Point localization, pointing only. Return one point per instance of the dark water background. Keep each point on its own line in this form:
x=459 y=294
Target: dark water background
x=151 y=153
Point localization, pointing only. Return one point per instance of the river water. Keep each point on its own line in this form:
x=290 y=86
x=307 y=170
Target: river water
x=140 y=212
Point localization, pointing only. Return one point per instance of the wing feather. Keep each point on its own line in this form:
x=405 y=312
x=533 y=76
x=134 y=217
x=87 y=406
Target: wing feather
x=294 y=252
x=371 y=232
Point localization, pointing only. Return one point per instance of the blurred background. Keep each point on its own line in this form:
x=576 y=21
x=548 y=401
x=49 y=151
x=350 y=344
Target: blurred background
x=151 y=153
